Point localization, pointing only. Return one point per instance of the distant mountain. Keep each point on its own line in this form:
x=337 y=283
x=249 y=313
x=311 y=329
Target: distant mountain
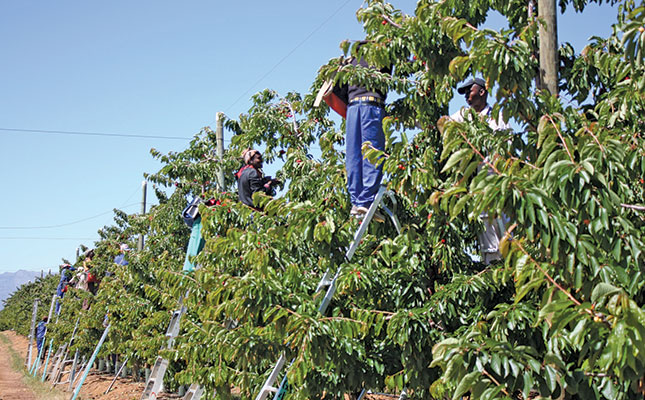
x=10 y=281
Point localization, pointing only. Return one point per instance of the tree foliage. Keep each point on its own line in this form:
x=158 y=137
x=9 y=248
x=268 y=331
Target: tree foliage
x=560 y=316
x=18 y=308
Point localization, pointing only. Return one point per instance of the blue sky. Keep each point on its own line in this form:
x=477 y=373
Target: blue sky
x=151 y=68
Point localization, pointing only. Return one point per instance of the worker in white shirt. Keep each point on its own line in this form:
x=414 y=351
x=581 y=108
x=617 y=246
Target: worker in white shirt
x=476 y=94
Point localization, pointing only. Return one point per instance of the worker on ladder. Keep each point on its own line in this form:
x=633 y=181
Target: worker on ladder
x=250 y=178
x=476 y=94
x=41 y=329
x=364 y=123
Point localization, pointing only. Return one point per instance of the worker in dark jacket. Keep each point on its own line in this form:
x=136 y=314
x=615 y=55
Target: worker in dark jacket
x=250 y=178
x=41 y=329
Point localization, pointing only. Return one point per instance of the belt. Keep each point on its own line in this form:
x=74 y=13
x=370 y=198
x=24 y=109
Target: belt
x=367 y=99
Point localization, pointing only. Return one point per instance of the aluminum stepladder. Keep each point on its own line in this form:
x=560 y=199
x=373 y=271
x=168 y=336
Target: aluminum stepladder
x=60 y=363
x=32 y=333
x=328 y=281
x=36 y=365
x=155 y=381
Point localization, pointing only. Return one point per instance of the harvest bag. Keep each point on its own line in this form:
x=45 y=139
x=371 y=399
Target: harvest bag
x=191 y=211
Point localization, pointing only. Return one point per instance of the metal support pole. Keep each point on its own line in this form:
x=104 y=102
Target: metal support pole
x=116 y=376
x=144 y=186
x=36 y=364
x=219 y=133
x=51 y=343
x=89 y=363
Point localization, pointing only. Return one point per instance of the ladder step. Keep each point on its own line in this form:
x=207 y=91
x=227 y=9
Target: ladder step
x=158 y=363
x=194 y=392
x=173 y=327
x=155 y=381
x=325 y=281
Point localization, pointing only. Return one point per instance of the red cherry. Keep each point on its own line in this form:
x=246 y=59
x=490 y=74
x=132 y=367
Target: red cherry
x=384 y=22
x=401 y=167
x=443 y=240
x=586 y=222
x=298 y=161
x=641 y=180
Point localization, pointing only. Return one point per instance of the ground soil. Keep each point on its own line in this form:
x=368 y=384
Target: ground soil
x=14 y=387
x=93 y=388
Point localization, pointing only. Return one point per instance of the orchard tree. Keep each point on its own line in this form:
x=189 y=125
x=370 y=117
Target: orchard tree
x=18 y=309
x=560 y=316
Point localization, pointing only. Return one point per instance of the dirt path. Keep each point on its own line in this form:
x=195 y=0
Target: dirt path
x=93 y=388
x=12 y=386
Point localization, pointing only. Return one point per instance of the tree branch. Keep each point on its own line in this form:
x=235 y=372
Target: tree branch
x=561 y=138
x=633 y=207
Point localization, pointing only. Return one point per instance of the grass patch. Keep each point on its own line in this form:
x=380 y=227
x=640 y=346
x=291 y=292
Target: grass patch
x=42 y=390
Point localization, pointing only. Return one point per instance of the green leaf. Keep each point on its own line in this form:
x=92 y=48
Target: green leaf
x=603 y=290
x=455 y=158
x=465 y=384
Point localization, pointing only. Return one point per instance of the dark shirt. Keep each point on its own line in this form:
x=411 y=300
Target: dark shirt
x=357 y=91
x=64 y=279
x=249 y=181
x=40 y=331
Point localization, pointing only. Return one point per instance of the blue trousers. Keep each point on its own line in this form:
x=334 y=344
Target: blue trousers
x=364 y=123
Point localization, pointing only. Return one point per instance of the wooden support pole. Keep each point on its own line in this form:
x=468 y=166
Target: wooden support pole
x=549 y=60
x=219 y=133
